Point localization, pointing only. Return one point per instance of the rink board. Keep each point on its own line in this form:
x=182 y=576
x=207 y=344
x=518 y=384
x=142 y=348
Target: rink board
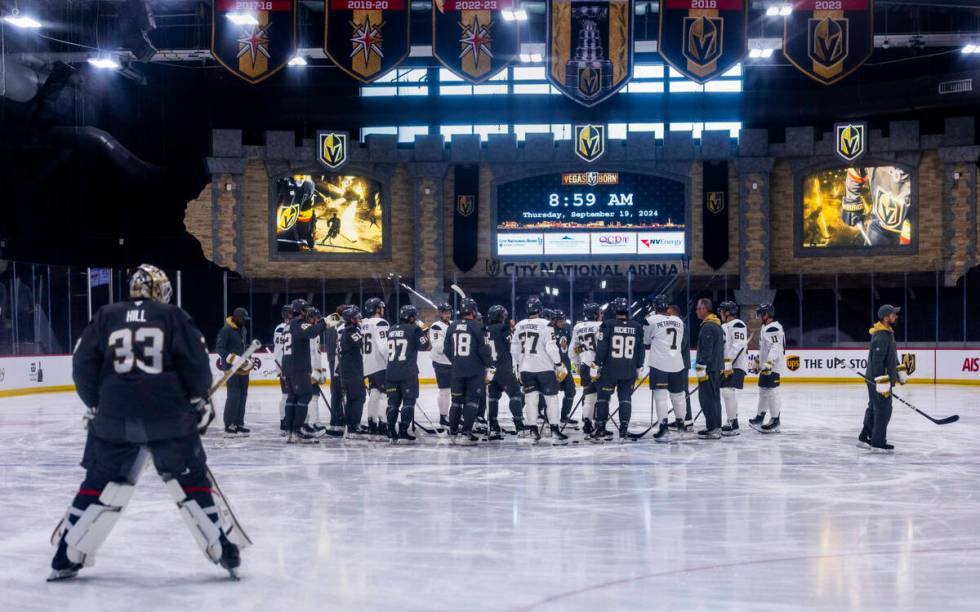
x=50 y=373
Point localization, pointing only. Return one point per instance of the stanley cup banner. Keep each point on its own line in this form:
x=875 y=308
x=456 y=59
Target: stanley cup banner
x=829 y=39
x=590 y=47
x=366 y=38
x=471 y=38
x=702 y=39
x=253 y=39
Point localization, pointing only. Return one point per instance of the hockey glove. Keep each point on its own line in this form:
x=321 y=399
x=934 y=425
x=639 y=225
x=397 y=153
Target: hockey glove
x=561 y=372
x=488 y=376
x=640 y=372
x=319 y=376
x=903 y=374
x=88 y=416
x=728 y=371
x=767 y=368
x=883 y=385
x=852 y=212
x=205 y=412
x=702 y=372
x=596 y=372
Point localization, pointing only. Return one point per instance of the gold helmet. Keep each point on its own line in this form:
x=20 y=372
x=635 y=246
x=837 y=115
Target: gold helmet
x=150 y=283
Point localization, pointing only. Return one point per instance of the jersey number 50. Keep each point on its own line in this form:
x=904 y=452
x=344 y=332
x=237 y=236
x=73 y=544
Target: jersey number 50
x=148 y=341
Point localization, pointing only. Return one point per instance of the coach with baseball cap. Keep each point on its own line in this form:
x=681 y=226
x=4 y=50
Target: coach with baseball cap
x=230 y=347
x=883 y=373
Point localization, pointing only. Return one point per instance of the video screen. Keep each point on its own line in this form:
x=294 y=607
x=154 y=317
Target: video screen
x=575 y=215
x=867 y=207
x=329 y=214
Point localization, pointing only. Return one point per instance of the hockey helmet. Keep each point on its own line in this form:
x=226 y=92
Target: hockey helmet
x=661 y=303
x=590 y=311
x=373 y=306
x=444 y=307
x=467 y=306
x=299 y=306
x=557 y=314
x=534 y=306
x=408 y=312
x=497 y=314
x=150 y=283
x=351 y=315
x=548 y=314
x=728 y=306
x=766 y=310
x=620 y=306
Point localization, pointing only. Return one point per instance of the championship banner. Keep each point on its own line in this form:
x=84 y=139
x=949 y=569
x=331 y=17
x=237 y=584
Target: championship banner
x=366 y=38
x=471 y=38
x=590 y=47
x=259 y=42
x=702 y=39
x=714 y=213
x=829 y=39
x=466 y=216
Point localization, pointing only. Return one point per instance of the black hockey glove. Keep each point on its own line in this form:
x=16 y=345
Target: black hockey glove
x=205 y=412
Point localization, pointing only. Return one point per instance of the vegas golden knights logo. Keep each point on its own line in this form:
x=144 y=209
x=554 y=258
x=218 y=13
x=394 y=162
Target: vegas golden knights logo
x=589 y=47
x=908 y=360
x=590 y=141
x=850 y=140
x=793 y=362
x=465 y=205
x=703 y=43
x=827 y=45
x=332 y=149
x=254 y=51
x=286 y=217
x=716 y=201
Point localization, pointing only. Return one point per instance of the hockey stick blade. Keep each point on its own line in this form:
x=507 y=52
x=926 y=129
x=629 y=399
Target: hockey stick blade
x=458 y=290
x=942 y=421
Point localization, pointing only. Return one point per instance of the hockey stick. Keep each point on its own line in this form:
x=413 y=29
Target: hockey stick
x=435 y=430
x=943 y=421
x=419 y=295
x=459 y=292
x=254 y=346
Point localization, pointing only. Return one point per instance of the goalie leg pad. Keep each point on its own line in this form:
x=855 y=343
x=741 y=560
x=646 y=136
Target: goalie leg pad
x=200 y=513
x=94 y=519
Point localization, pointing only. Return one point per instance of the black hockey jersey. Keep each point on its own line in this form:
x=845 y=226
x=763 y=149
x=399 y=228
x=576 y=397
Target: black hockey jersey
x=350 y=365
x=140 y=363
x=619 y=348
x=405 y=340
x=296 y=346
x=499 y=336
x=467 y=348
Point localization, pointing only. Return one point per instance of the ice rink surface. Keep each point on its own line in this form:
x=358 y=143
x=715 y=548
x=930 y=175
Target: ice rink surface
x=802 y=519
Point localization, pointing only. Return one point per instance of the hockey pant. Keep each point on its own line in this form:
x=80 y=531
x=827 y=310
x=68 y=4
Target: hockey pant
x=354 y=391
x=401 y=394
x=465 y=406
x=623 y=388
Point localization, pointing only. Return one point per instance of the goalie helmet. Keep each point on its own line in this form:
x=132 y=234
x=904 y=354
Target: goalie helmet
x=497 y=314
x=408 y=312
x=728 y=306
x=590 y=311
x=620 y=306
x=468 y=306
x=351 y=315
x=150 y=283
x=534 y=306
x=373 y=306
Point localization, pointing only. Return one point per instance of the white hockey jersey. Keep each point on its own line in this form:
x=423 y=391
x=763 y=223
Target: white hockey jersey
x=278 y=342
x=437 y=336
x=582 y=349
x=533 y=346
x=663 y=336
x=375 y=351
x=316 y=359
x=736 y=344
x=772 y=346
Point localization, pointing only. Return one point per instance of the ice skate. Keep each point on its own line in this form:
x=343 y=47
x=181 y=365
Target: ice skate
x=663 y=432
x=864 y=442
x=61 y=567
x=757 y=421
x=587 y=428
x=243 y=432
x=230 y=559
x=730 y=429
x=283 y=430
x=771 y=427
x=710 y=434
x=534 y=434
x=231 y=432
x=885 y=449
x=557 y=437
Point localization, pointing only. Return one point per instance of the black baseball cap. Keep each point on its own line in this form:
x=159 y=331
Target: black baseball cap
x=886 y=309
x=240 y=312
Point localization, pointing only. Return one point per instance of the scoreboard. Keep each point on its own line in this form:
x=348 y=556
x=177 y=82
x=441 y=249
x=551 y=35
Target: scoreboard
x=583 y=215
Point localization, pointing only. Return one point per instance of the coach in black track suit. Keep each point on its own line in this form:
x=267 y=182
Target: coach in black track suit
x=711 y=361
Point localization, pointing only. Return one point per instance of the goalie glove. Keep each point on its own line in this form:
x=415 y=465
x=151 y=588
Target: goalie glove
x=702 y=372
x=883 y=385
x=489 y=374
x=903 y=374
x=728 y=371
x=88 y=416
x=595 y=371
x=205 y=412
x=561 y=372
x=766 y=368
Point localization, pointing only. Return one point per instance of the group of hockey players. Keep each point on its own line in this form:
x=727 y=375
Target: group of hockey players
x=477 y=360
